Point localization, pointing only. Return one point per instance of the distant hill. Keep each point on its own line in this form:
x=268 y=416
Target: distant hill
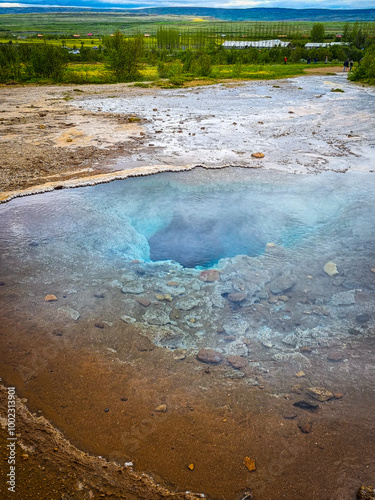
x=255 y=14
x=267 y=14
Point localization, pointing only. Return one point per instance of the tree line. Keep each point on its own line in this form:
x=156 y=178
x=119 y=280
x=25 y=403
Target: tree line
x=124 y=56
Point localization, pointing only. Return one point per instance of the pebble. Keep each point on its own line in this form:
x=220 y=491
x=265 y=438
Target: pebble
x=99 y=324
x=305 y=426
x=267 y=344
x=161 y=408
x=319 y=393
x=144 y=302
x=330 y=269
x=250 y=463
x=210 y=356
x=50 y=298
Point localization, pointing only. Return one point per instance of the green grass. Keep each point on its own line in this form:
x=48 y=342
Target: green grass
x=101 y=23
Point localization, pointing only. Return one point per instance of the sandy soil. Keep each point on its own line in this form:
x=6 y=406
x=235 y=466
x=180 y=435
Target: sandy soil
x=113 y=405
x=44 y=138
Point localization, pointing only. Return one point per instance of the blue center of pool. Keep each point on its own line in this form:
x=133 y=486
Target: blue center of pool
x=195 y=218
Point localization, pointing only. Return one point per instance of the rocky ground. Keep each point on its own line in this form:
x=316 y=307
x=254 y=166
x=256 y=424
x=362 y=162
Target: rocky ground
x=275 y=402
x=44 y=138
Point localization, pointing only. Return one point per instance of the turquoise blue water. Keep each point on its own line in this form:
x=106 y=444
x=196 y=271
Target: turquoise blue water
x=194 y=218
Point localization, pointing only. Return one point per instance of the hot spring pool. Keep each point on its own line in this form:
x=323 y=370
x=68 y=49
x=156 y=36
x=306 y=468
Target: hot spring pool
x=267 y=235
x=194 y=218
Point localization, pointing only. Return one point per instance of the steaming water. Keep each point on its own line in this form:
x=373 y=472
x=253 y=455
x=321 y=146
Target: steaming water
x=268 y=234
x=193 y=218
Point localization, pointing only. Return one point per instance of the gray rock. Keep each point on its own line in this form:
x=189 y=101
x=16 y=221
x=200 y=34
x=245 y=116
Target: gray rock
x=69 y=312
x=217 y=300
x=236 y=327
x=292 y=357
x=187 y=303
x=343 y=298
x=132 y=287
x=237 y=296
x=282 y=284
x=157 y=315
x=237 y=348
x=173 y=290
x=128 y=319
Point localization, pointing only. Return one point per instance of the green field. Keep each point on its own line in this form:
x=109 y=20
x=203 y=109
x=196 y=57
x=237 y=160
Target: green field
x=64 y=24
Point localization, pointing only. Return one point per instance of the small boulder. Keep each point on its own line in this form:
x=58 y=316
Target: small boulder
x=210 y=356
x=238 y=362
x=319 y=393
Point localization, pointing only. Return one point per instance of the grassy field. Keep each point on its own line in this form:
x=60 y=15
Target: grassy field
x=106 y=23
x=98 y=73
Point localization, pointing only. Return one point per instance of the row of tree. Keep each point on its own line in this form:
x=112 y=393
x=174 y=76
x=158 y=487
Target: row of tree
x=125 y=56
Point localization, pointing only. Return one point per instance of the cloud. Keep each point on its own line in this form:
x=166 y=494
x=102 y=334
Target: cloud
x=228 y=4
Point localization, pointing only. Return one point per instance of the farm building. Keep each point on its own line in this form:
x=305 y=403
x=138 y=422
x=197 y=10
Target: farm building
x=322 y=45
x=261 y=44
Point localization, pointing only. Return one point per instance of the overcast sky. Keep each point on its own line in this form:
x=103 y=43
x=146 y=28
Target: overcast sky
x=294 y=4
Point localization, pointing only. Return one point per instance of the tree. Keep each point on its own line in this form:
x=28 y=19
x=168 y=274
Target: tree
x=317 y=33
x=48 y=61
x=124 y=55
x=366 y=69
